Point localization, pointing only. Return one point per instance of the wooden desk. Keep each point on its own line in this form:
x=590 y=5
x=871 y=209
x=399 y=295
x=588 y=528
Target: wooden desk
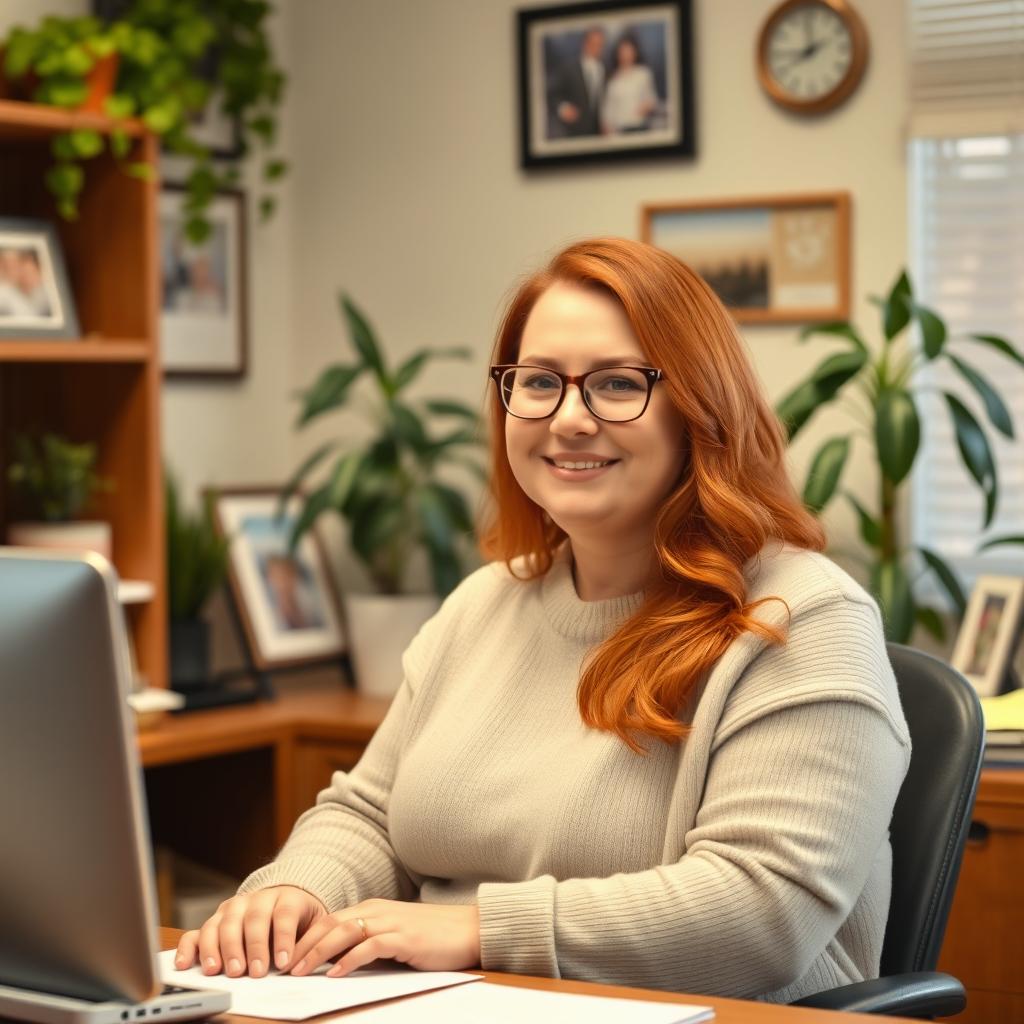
x=727 y=1011
x=984 y=945
x=225 y=786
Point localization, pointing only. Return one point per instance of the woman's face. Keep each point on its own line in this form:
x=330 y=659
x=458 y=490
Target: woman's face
x=626 y=54
x=573 y=330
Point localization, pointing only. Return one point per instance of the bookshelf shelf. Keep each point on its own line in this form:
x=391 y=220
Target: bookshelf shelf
x=112 y=351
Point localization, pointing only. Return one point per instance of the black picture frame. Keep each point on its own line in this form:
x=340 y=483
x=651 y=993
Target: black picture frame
x=36 y=299
x=633 y=111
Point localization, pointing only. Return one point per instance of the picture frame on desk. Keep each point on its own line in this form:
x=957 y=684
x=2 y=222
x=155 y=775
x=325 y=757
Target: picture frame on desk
x=204 y=322
x=770 y=259
x=36 y=300
x=288 y=604
x=987 y=640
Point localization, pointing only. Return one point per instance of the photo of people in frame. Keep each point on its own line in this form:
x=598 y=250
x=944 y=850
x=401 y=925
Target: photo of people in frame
x=28 y=288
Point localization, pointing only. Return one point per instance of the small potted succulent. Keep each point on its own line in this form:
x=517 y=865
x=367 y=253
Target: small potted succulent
x=197 y=559
x=53 y=480
x=392 y=492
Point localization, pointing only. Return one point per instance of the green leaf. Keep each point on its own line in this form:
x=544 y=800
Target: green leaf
x=140 y=170
x=434 y=517
x=344 y=476
x=376 y=526
x=1016 y=538
x=119 y=105
x=268 y=204
x=409 y=428
x=65 y=180
x=930 y=619
x=897 y=432
x=891 y=586
x=840 y=329
x=329 y=391
x=273 y=170
x=86 y=143
x=870 y=528
x=1000 y=345
x=443 y=407
x=410 y=369
x=308 y=465
x=825 y=471
x=933 y=330
x=120 y=144
x=975 y=452
x=796 y=408
x=365 y=342
x=445 y=570
x=994 y=406
x=319 y=501
x=947 y=578
x=896 y=309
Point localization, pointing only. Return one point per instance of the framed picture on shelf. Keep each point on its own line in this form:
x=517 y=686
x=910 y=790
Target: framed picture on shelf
x=782 y=259
x=987 y=640
x=35 y=294
x=204 y=300
x=288 y=605
x=605 y=81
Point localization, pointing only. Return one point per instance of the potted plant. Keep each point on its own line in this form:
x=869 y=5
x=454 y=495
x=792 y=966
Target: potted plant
x=884 y=382
x=197 y=560
x=166 y=77
x=54 y=481
x=390 y=492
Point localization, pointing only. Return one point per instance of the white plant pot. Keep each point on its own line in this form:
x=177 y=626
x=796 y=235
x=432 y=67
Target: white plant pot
x=84 y=535
x=380 y=627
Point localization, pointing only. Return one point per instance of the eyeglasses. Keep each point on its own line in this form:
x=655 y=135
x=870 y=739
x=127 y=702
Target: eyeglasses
x=616 y=394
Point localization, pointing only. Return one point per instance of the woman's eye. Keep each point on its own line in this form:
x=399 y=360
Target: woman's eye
x=619 y=384
x=541 y=382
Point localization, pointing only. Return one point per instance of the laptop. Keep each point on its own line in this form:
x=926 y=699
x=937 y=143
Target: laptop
x=78 y=923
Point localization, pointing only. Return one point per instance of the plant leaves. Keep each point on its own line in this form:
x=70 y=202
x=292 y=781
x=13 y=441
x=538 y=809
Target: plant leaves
x=1015 y=538
x=300 y=474
x=999 y=344
x=434 y=518
x=891 y=586
x=409 y=428
x=375 y=527
x=947 y=578
x=343 y=478
x=410 y=369
x=933 y=330
x=994 y=405
x=329 y=391
x=975 y=452
x=839 y=328
x=319 y=501
x=796 y=408
x=445 y=569
x=896 y=309
x=443 y=407
x=870 y=528
x=930 y=619
x=897 y=432
x=823 y=476
x=365 y=343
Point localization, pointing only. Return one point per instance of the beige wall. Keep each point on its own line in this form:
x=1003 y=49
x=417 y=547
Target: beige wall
x=407 y=190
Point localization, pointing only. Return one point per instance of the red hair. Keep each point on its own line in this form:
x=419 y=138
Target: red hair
x=733 y=497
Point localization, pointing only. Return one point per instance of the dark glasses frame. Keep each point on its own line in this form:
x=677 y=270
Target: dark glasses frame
x=651 y=374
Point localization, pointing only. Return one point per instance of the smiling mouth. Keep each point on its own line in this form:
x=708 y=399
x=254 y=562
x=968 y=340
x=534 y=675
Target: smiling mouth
x=579 y=465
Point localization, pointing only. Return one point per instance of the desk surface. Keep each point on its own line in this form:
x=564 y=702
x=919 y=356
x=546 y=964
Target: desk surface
x=727 y=1011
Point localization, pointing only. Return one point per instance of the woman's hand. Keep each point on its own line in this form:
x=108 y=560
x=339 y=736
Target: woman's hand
x=427 y=936
x=237 y=938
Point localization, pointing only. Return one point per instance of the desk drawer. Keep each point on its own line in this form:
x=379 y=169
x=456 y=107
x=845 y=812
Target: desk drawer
x=984 y=945
x=315 y=762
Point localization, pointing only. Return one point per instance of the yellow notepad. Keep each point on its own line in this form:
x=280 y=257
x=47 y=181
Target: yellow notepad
x=1004 y=712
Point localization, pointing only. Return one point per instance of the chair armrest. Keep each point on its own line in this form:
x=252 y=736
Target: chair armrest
x=923 y=994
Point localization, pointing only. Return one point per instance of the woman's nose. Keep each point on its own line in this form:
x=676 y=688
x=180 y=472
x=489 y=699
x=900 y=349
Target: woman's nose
x=573 y=416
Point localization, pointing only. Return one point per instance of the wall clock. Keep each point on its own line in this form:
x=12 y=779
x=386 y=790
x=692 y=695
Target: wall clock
x=811 y=54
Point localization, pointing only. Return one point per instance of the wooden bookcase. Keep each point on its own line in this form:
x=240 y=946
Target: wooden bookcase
x=103 y=387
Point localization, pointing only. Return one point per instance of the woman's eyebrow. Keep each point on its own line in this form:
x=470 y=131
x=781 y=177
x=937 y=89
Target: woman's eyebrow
x=557 y=364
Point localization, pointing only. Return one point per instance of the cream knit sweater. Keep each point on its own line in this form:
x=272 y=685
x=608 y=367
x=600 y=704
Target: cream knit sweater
x=750 y=860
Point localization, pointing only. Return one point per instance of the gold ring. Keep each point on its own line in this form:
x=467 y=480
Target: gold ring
x=362 y=928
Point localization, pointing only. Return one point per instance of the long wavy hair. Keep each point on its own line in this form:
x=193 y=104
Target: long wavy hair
x=733 y=496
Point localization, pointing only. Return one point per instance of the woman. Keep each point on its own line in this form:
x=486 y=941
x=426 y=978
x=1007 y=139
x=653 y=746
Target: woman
x=657 y=742
x=630 y=98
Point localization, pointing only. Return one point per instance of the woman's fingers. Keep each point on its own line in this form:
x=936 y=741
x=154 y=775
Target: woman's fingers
x=232 y=944
x=288 y=914
x=209 y=945
x=256 y=929
x=390 y=946
x=186 y=954
x=326 y=939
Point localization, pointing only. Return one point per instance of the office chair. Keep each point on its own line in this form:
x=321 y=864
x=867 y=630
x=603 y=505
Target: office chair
x=928 y=832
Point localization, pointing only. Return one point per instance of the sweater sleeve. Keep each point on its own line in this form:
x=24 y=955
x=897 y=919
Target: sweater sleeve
x=796 y=806
x=340 y=850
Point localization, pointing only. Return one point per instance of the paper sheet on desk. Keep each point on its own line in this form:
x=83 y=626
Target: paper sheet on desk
x=282 y=997
x=503 y=1004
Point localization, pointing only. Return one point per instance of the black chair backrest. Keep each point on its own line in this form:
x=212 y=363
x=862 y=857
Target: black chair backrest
x=933 y=811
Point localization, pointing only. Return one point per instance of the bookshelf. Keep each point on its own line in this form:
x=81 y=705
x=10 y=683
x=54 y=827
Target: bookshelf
x=105 y=386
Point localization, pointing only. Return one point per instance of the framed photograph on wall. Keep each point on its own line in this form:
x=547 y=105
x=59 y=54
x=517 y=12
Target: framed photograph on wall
x=605 y=81
x=782 y=259
x=35 y=293
x=987 y=640
x=288 y=605
x=204 y=300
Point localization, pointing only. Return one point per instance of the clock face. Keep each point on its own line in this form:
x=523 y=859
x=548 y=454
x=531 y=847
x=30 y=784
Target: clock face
x=809 y=52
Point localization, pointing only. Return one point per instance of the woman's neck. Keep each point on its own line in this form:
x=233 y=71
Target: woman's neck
x=602 y=571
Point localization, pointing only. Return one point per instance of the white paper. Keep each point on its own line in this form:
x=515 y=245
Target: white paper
x=504 y=1004
x=283 y=997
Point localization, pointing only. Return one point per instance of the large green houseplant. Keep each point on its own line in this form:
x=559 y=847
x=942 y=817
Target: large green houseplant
x=391 y=492
x=882 y=389
x=166 y=77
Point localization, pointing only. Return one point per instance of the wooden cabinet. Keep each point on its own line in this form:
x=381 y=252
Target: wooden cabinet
x=103 y=387
x=984 y=944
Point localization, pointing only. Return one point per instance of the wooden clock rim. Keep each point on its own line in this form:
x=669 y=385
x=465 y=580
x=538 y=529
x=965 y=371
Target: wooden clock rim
x=858 y=59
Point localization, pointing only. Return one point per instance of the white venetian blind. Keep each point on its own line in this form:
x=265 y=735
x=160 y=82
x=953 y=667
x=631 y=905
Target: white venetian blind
x=967 y=261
